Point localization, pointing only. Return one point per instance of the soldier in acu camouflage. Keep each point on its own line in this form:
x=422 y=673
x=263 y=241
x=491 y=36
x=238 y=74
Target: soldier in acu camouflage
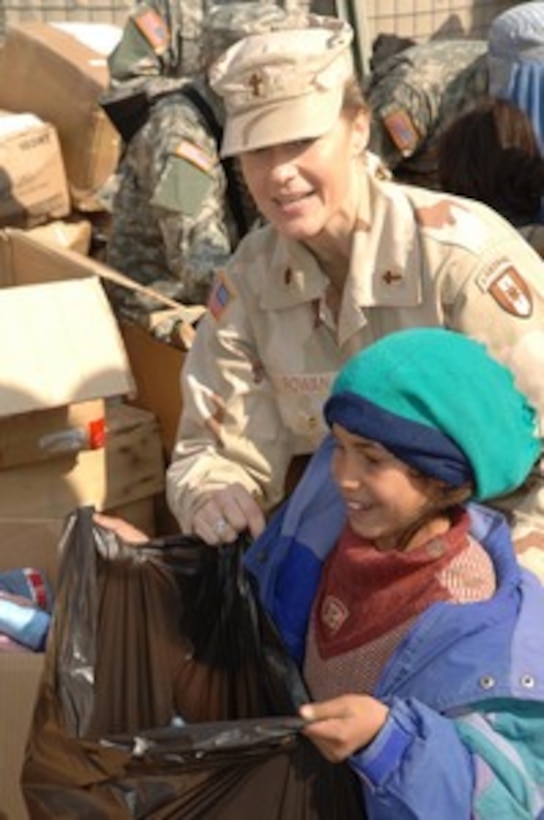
x=178 y=211
x=415 y=94
x=163 y=38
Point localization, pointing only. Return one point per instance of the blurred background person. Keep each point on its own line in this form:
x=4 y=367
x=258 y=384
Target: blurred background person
x=516 y=61
x=491 y=153
x=164 y=38
x=414 y=94
x=178 y=210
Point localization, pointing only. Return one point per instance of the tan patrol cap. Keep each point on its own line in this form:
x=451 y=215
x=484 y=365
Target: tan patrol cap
x=285 y=85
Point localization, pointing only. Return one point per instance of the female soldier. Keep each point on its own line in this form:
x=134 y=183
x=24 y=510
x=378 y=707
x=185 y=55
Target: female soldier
x=345 y=259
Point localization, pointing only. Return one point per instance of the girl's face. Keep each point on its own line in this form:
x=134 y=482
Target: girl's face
x=383 y=496
x=307 y=187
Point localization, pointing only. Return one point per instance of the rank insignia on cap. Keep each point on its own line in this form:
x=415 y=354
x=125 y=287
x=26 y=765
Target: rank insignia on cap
x=401 y=129
x=511 y=293
x=220 y=297
x=195 y=155
x=154 y=29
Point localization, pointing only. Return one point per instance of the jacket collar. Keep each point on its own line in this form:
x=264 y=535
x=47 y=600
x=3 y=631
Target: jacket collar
x=385 y=247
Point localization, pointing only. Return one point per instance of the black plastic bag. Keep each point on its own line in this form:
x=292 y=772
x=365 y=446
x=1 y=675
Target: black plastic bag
x=166 y=693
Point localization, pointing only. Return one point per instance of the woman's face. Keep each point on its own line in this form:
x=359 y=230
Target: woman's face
x=307 y=187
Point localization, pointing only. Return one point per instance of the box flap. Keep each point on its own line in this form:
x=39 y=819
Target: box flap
x=61 y=344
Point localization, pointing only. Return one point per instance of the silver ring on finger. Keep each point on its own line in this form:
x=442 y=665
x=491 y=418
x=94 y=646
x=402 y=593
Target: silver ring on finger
x=220 y=527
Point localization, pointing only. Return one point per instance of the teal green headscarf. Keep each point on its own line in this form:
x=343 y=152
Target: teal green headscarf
x=438 y=401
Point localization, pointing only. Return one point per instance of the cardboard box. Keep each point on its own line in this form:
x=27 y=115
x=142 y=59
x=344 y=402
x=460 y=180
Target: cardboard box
x=156 y=367
x=33 y=186
x=50 y=73
x=74 y=235
x=128 y=468
x=60 y=340
x=28 y=438
x=33 y=544
x=63 y=361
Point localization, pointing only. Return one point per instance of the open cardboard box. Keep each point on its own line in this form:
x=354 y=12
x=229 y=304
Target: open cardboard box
x=67 y=436
x=148 y=371
x=30 y=544
x=63 y=356
x=156 y=366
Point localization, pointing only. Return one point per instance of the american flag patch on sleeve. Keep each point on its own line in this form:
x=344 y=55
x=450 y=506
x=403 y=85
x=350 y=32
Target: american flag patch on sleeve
x=401 y=130
x=195 y=155
x=154 y=29
x=222 y=294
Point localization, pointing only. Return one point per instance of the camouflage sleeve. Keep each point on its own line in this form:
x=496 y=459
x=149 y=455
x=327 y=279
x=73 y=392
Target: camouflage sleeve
x=230 y=429
x=413 y=93
x=144 y=49
x=160 y=38
x=401 y=120
x=170 y=226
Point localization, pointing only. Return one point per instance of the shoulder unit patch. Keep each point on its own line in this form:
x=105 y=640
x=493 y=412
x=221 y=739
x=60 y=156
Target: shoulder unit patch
x=511 y=293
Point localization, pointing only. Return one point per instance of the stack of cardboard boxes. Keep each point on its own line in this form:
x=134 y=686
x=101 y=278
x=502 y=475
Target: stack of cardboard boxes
x=52 y=75
x=67 y=437
x=71 y=430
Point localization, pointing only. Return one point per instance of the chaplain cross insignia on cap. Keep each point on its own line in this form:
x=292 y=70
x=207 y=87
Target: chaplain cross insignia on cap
x=256 y=84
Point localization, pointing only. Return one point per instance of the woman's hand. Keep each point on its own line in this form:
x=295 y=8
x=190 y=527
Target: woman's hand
x=225 y=513
x=343 y=725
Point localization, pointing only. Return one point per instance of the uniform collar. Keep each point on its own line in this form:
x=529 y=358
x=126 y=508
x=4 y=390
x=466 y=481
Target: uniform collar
x=293 y=277
x=385 y=246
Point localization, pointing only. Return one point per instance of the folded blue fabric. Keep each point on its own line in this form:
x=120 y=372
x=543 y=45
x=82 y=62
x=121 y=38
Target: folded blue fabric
x=28 y=625
x=30 y=583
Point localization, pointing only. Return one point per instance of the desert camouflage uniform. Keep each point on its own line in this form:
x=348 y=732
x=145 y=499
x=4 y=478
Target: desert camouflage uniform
x=266 y=353
x=415 y=94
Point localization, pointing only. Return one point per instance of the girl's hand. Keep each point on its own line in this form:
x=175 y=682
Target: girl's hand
x=341 y=726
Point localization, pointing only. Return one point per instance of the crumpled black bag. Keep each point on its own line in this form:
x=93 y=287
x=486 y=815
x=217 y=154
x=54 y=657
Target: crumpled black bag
x=167 y=693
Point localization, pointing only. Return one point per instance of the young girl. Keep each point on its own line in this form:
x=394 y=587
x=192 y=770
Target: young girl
x=418 y=633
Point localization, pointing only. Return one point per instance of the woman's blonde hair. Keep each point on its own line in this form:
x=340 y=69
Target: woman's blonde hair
x=354 y=101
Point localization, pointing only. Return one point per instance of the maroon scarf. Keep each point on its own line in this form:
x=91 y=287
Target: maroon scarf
x=365 y=593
